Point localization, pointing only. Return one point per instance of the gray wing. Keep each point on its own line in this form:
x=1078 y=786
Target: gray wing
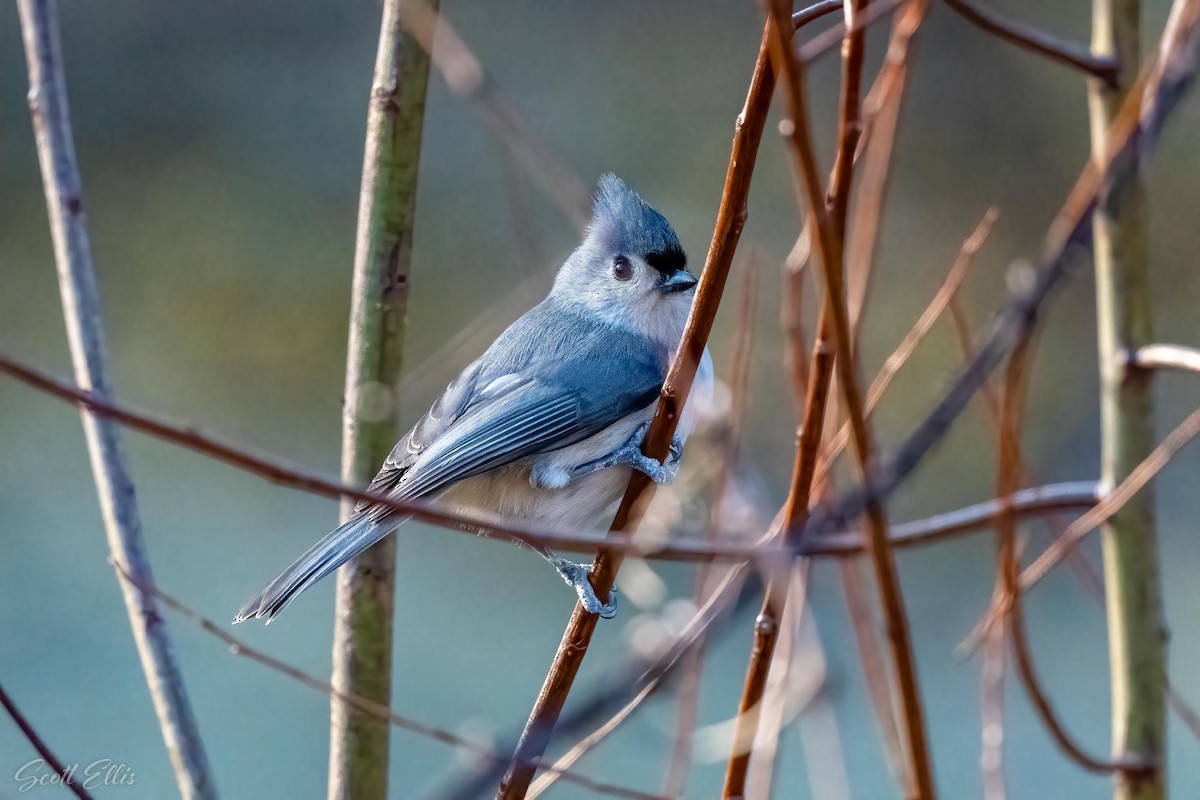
x=473 y=429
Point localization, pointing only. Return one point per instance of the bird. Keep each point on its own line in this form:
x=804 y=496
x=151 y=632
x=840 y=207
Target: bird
x=546 y=426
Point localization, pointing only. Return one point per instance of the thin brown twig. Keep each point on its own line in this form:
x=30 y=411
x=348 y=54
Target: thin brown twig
x=874 y=669
x=1134 y=131
x=731 y=218
x=829 y=252
x=1009 y=567
x=881 y=111
x=66 y=774
x=1113 y=501
x=825 y=41
x=1054 y=497
x=688 y=694
x=49 y=112
x=741 y=357
x=791 y=317
x=768 y=623
x=581 y=748
x=782 y=702
x=1036 y=40
x=374 y=708
x=892 y=365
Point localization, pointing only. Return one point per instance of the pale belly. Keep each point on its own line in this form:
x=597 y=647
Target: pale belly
x=584 y=504
x=506 y=495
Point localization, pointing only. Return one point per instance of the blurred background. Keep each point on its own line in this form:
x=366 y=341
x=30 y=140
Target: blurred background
x=221 y=148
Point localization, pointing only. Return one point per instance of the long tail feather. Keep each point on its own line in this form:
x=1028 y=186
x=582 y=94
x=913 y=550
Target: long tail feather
x=335 y=549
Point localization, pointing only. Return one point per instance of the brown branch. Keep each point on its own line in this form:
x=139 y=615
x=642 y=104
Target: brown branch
x=827 y=40
x=1134 y=132
x=721 y=594
x=791 y=318
x=829 y=251
x=1029 y=502
x=67 y=774
x=1165 y=356
x=1009 y=565
x=916 y=334
x=1113 y=501
x=50 y=113
x=808 y=444
x=874 y=669
x=1037 y=41
x=731 y=218
x=688 y=694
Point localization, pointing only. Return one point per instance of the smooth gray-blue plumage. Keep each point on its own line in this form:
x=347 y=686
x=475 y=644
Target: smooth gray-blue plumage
x=546 y=424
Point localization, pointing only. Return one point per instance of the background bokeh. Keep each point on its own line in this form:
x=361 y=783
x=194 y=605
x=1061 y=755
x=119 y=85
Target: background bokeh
x=221 y=148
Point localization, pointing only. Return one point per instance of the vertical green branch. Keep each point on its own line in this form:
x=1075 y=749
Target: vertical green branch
x=1137 y=636
x=362 y=647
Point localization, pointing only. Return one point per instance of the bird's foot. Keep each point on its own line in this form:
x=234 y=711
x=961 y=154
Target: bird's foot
x=631 y=453
x=576 y=576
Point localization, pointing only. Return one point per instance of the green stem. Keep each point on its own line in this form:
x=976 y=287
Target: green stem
x=1137 y=636
x=362 y=648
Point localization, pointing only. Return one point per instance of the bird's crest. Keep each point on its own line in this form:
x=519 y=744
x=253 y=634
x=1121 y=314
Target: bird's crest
x=626 y=223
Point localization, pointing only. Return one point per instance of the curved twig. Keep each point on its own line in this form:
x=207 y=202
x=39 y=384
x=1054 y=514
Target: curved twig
x=1165 y=356
x=1037 y=41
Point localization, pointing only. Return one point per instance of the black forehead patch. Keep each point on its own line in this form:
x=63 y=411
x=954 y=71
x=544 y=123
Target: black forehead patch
x=668 y=260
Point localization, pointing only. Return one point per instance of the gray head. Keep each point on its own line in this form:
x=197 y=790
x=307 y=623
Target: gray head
x=630 y=269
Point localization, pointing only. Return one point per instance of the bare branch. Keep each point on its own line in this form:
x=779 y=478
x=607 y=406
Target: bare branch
x=916 y=334
x=731 y=218
x=364 y=602
x=1009 y=471
x=1028 y=502
x=829 y=250
x=67 y=775
x=63 y=186
x=815 y=12
x=1134 y=132
x=1165 y=356
x=1037 y=41
x=1113 y=501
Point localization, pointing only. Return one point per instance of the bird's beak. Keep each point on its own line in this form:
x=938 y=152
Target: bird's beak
x=678 y=281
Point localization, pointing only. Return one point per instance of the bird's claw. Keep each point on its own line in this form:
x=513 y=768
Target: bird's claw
x=576 y=576
x=661 y=473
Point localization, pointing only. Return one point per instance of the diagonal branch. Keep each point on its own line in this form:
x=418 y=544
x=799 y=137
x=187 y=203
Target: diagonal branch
x=829 y=252
x=1037 y=41
x=84 y=320
x=66 y=774
x=731 y=218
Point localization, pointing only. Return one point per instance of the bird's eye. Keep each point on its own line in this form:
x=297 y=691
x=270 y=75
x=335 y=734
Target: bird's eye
x=622 y=269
